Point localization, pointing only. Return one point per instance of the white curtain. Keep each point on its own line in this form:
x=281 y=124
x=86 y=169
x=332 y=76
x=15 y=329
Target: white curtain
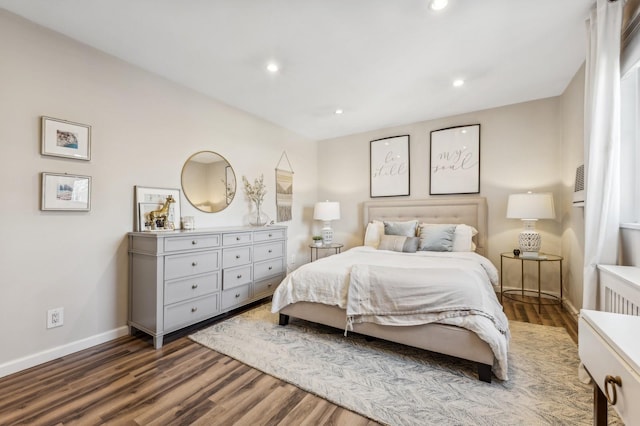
x=602 y=144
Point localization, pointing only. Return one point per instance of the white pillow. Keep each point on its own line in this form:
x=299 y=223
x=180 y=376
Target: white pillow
x=373 y=233
x=462 y=237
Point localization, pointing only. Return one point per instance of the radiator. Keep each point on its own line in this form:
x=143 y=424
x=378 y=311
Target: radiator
x=619 y=289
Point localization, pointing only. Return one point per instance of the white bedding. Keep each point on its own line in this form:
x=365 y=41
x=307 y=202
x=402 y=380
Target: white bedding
x=455 y=275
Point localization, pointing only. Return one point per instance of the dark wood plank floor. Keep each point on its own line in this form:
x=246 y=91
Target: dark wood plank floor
x=127 y=382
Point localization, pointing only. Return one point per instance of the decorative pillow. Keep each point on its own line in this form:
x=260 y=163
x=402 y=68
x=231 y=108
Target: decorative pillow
x=407 y=229
x=437 y=237
x=462 y=237
x=399 y=243
x=372 y=234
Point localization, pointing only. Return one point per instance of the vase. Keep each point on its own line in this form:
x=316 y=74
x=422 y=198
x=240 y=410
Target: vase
x=258 y=217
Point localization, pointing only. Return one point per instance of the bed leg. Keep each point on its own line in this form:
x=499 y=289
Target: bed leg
x=284 y=319
x=484 y=372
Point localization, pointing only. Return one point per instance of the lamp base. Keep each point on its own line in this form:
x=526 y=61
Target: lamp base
x=327 y=234
x=529 y=241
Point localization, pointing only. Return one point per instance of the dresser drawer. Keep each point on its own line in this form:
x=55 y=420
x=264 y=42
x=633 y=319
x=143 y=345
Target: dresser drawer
x=268 y=251
x=235 y=296
x=235 y=277
x=268 y=268
x=179 y=290
x=600 y=360
x=191 y=242
x=182 y=314
x=236 y=256
x=183 y=265
x=266 y=287
x=236 y=238
x=272 y=234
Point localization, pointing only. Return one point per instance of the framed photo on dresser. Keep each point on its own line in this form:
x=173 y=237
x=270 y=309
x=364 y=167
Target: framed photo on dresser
x=147 y=199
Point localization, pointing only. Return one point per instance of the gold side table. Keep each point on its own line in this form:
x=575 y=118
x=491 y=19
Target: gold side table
x=337 y=248
x=513 y=294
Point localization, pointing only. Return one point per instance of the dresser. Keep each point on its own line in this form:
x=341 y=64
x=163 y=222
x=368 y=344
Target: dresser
x=610 y=351
x=179 y=278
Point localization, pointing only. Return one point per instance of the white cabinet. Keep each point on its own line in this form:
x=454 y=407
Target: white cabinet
x=179 y=278
x=610 y=351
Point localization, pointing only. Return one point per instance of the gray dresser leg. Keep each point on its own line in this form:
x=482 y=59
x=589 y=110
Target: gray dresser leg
x=157 y=342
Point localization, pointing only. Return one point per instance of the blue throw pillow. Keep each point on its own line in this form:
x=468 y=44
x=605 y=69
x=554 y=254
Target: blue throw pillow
x=437 y=238
x=407 y=229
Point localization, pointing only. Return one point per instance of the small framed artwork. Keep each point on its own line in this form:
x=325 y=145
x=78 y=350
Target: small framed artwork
x=147 y=200
x=65 y=192
x=389 y=166
x=62 y=138
x=455 y=160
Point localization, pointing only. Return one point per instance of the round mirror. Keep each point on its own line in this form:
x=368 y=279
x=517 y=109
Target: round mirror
x=208 y=181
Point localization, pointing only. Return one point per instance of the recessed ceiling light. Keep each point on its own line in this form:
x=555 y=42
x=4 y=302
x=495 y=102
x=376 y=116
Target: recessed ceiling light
x=457 y=83
x=272 y=67
x=339 y=111
x=438 y=4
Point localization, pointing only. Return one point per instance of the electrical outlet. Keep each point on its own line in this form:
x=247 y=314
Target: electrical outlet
x=55 y=317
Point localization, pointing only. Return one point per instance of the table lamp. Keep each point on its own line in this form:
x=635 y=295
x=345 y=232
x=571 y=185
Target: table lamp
x=530 y=207
x=327 y=211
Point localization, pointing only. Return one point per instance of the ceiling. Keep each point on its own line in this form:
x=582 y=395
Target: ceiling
x=383 y=62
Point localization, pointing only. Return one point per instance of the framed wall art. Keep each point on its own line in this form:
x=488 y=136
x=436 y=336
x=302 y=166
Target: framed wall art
x=65 y=192
x=389 y=168
x=62 y=138
x=455 y=160
x=147 y=199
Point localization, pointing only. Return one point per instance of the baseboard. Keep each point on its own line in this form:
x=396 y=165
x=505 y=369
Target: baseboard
x=60 y=351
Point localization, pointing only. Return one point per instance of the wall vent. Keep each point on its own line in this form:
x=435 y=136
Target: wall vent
x=578 y=188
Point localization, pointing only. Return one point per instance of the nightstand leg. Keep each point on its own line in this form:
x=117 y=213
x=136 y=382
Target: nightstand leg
x=539 y=292
x=501 y=278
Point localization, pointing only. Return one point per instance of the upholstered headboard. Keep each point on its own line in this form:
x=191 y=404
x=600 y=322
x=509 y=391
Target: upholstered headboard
x=469 y=210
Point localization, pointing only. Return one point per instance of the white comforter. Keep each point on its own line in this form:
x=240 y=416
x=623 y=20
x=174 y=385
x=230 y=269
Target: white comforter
x=392 y=288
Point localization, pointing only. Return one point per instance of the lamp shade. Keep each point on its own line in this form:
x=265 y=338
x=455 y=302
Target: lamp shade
x=326 y=210
x=531 y=206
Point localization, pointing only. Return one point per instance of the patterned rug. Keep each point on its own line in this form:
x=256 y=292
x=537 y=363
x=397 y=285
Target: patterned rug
x=398 y=385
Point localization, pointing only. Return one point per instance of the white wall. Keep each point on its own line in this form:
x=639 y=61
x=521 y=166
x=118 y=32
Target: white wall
x=520 y=151
x=572 y=217
x=143 y=129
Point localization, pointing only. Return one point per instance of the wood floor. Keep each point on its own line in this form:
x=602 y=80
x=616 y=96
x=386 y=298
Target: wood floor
x=127 y=382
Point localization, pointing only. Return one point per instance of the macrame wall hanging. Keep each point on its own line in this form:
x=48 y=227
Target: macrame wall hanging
x=284 y=189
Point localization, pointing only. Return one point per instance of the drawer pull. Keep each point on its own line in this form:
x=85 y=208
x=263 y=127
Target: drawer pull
x=239 y=276
x=613 y=381
x=194 y=286
x=195 y=308
x=237 y=295
x=270 y=235
x=270 y=251
x=269 y=285
x=194 y=263
x=237 y=238
x=194 y=242
x=237 y=256
x=270 y=267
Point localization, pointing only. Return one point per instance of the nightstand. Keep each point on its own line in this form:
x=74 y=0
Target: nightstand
x=512 y=294
x=337 y=248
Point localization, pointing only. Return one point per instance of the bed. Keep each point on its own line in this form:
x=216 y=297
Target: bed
x=331 y=291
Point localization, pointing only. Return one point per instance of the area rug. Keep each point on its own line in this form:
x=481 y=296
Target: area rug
x=397 y=385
